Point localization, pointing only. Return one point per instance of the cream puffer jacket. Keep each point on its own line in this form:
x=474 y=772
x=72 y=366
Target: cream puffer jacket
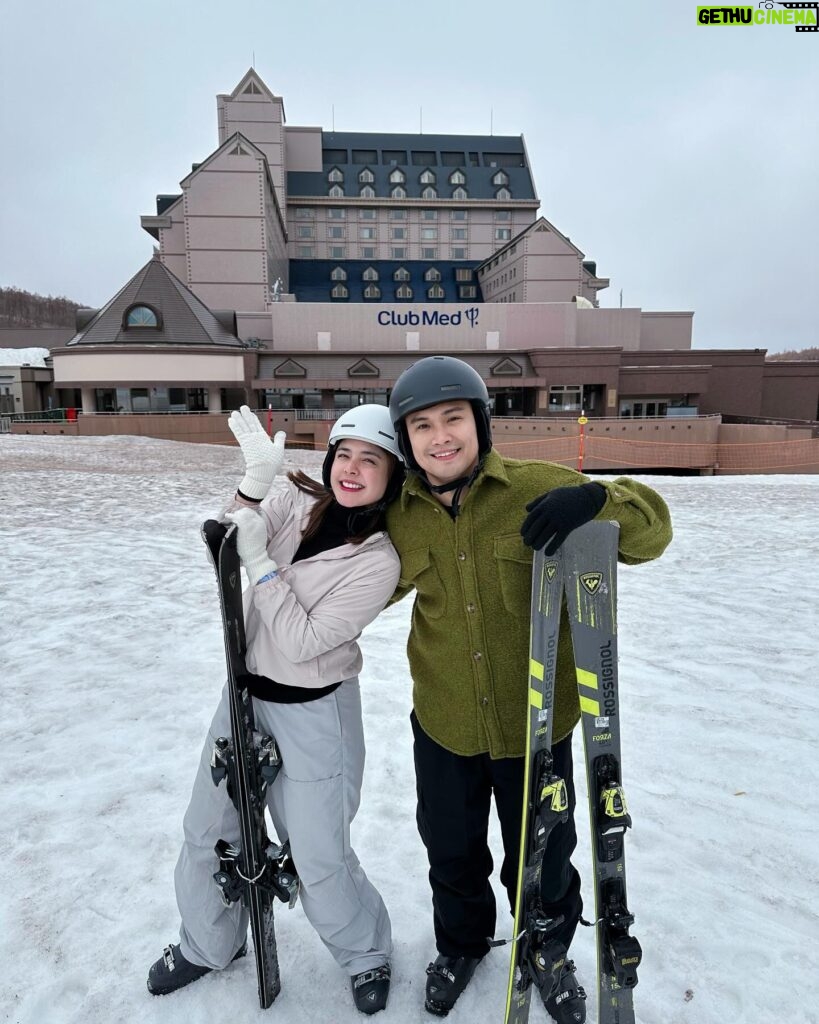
x=302 y=627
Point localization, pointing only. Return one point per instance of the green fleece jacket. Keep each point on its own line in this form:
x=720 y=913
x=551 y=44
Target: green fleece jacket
x=469 y=641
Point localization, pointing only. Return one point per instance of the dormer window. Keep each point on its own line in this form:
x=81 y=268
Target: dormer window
x=398 y=192
x=336 y=192
x=403 y=291
x=366 y=177
x=460 y=193
x=397 y=177
x=501 y=178
x=433 y=274
x=338 y=274
x=372 y=291
x=335 y=175
x=140 y=317
x=435 y=292
x=429 y=193
x=339 y=291
x=370 y=274
x=503 y=193
x=401 y=274
x=367 y=192
x=428 y=177
x=457 y=178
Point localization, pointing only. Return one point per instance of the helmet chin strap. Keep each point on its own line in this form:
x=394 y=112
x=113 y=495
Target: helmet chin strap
x=458 y=486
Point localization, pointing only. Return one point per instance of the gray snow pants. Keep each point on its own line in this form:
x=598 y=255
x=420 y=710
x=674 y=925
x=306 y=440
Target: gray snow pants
x=312 y=802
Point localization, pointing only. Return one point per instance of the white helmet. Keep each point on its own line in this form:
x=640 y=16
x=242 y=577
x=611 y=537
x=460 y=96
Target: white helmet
x=367 y=423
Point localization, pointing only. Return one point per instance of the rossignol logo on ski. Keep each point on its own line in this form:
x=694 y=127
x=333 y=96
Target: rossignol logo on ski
x=591 y=581
x=550 y=569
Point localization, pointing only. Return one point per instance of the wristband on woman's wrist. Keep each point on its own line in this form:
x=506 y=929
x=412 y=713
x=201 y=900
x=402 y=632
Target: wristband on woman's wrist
x=268 y=576
x=244 y=497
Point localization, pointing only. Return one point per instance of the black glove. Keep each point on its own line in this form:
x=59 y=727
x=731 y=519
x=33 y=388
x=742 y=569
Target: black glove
x=554 y=515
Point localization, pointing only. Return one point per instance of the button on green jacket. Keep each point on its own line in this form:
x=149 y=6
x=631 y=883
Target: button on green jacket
x=469 y=642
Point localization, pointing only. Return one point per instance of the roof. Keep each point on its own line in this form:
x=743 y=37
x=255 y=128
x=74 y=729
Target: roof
x=184 y=319
x=310 y=280
x=479 y=157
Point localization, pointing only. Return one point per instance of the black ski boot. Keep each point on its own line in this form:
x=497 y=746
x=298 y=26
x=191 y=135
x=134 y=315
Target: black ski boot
x=446 y=979
x=371 y=989
x=566 y=1003
x=172 y=971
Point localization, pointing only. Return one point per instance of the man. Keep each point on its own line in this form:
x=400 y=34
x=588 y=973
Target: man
x=457 y=529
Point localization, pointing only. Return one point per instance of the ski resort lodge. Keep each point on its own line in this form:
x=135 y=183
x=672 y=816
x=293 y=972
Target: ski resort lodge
x=301 y=271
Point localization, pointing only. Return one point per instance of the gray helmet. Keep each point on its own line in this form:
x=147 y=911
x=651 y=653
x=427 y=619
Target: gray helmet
x=369 y=422
x=436 y=379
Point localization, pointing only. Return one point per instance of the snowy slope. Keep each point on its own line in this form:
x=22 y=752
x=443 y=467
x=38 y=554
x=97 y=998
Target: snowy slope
x=112 y=663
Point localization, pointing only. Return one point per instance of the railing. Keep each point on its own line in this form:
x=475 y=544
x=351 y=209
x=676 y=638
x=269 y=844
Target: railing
x=313 y=414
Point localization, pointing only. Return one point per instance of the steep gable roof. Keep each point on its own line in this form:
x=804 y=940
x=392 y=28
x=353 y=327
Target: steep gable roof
x=184 y=319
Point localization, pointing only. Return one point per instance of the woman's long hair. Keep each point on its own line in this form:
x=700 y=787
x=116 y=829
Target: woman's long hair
x=361 y=526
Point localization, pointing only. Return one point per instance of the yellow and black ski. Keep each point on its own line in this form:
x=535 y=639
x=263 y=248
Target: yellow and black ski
x=590 y=567
x=537 y=957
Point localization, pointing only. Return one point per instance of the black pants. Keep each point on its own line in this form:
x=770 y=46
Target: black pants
x=454 y=797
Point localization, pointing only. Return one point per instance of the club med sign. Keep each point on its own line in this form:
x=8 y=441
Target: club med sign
x=428 y=318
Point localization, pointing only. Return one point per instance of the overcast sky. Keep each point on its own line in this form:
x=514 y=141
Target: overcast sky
x=682 y=158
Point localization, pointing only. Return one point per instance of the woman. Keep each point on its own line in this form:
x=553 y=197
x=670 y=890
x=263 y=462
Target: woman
x=320 y=568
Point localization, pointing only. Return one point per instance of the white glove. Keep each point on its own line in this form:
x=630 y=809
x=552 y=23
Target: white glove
x=251 y=543
x=263 y=458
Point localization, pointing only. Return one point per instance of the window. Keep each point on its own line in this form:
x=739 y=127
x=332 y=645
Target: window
x=566 y=397
x=403 y=291
x=305 y=252
x=401 y=274
x=458 y=234
x=335 y=175
x=335 y=232
x=394 y=156
x=366 y=214
x=334 y=156
x=337 y=252
x=429 y=193
x=428 y=177
x=429 y=254
x=366 y=177
x=467 y=291
x=366 y=233
x=458 y=253
x=339 y=291
x=141 y=316
x=463 y=274
x=398 y=192
x=399 y=233
x=457 y=178
x=503 y=234
x=368 y=252
x=370 y=274
x=474 y=160
x=513 y=249
x=452 y=159
x=423 y=158
x=365 y=156
x=501 y=178
x=336 y=213
x=372 y=291
x=335 y=192
x=458 y=215
x=503 y=160
x=338 y=274
x=251 y=89
x=429 y=215
x=367 y=192
x=503 y=214
x=503 y=193
x=398 y=214
x=305 y=213
x=399 y=253
x=435 y=292
x=459 y=193
x=433 y=274
x=429 y=234
x=305 y=231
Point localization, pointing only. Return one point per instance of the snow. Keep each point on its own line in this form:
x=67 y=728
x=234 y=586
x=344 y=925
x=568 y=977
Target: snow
x=23 y=356
x=112 y=665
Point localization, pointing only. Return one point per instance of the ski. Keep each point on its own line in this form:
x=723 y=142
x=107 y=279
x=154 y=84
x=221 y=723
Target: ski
x=257 y=870
x=537 y=957
x=590 y=581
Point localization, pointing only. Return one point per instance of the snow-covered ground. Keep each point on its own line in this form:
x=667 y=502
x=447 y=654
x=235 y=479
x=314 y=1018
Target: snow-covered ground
x=112 y=664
